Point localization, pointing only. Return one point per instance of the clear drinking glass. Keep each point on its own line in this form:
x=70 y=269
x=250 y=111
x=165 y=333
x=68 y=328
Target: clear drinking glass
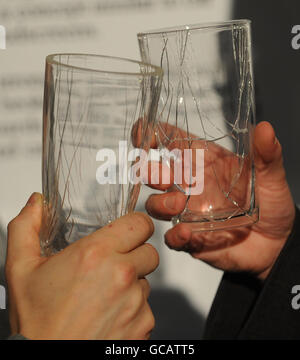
x=91 y=104
x=207 y=108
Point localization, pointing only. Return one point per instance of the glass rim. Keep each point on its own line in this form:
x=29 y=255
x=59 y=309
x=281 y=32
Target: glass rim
x=194 y=27
x=156 y=70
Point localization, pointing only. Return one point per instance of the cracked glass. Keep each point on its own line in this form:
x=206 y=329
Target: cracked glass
x=207 y=104
x=92 y=103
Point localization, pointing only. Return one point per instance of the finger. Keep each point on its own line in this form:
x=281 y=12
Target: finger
x=178 y=237
x=142 y=134
x=165 y=206
x=268 y=152
x=141 y=327
x=145 y=286
x=155 y=135
x=265 y=142
x=145 y=258
x=126 y=233
x=166 y=132
x=23 y=231
x=160 y=176
x=148 y=321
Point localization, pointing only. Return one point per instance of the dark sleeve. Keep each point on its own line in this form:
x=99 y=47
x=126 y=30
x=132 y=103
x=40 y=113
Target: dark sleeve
x=245 y=308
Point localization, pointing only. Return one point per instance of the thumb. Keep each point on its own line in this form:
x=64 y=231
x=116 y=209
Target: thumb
x=268 y=154
x=23 y=231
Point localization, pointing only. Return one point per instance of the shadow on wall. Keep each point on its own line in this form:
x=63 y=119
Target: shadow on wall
x=277 y=74
x=175 y=317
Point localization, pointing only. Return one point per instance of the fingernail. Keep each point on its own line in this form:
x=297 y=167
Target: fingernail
x=275 y=141
x=34 y=199
x=170 y=202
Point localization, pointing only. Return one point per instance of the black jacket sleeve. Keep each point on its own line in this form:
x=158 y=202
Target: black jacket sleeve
x=245 y=308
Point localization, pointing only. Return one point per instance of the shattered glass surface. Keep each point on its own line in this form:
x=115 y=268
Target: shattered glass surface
x=84 y=112
x=207 y=103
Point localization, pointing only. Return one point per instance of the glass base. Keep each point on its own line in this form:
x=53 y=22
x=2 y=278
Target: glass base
x=203 y=223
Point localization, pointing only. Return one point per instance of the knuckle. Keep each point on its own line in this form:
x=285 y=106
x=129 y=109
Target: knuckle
x=90 y=256
x=125 y=275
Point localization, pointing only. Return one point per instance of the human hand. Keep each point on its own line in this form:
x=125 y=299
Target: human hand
x=253 y=249
x=93 y=289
